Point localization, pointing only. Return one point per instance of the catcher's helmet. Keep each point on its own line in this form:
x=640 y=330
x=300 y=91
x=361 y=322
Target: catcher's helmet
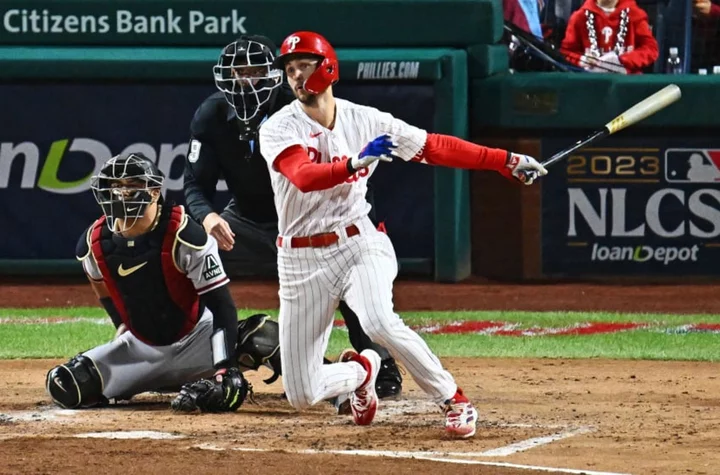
x=123 y=188
x=308 y=42
x=245 y=74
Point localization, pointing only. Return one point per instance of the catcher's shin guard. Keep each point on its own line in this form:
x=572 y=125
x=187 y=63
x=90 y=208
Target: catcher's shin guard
x=78 y=383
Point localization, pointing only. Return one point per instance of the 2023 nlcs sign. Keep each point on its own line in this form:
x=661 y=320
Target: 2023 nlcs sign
x=632 y=208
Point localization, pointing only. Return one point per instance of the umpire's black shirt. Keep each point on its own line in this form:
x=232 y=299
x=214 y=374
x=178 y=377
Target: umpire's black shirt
x=216 y=152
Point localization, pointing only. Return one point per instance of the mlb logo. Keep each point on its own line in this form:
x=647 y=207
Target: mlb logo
x=692 y=165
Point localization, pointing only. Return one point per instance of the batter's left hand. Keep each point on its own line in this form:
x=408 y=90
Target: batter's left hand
x=379 y=149
x=524 y=168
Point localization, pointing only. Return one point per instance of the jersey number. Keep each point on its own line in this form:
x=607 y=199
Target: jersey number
x=362 y=173
x=194 y=154
x=316 y=157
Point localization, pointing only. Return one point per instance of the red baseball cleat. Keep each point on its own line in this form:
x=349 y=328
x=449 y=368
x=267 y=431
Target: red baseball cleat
x=364 y=401
x=460 y=416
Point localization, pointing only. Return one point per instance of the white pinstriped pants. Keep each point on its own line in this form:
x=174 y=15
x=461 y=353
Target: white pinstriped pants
x=361 y=271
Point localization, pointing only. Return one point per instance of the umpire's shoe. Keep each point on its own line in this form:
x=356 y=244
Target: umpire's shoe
x=389 y=380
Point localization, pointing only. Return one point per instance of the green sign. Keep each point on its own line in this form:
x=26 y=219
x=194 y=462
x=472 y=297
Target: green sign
x=18 y=62
x=366 y=23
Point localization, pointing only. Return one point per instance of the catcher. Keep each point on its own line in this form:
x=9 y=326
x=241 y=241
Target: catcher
x=158 y=276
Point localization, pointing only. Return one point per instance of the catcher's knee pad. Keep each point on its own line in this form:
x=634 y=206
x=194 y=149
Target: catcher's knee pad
x=77 y=383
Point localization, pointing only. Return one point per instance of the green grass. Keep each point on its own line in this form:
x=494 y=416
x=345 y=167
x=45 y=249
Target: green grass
x=51 y=341
x=527 y=318
x=61 y=341
x=629 y=345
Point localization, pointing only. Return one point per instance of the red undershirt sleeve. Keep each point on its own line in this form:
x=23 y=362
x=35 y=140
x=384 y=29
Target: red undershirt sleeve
x=452 y=152
x=294 y=163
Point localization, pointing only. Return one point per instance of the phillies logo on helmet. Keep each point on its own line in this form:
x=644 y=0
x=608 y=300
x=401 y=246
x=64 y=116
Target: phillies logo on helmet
x=311 y=43
x=293 y=40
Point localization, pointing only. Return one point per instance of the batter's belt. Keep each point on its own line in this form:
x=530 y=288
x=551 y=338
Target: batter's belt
x=319 y=240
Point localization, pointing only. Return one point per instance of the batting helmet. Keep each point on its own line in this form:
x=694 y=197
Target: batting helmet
x=308 y=42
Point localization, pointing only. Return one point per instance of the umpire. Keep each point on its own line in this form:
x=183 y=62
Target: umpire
x=224 y=145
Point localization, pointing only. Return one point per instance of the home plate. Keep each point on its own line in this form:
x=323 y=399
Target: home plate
x=137 y=434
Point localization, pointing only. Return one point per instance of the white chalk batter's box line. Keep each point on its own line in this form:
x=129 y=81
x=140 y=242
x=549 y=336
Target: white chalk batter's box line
x=443 y=457
x=407 y=409
x=436 y=456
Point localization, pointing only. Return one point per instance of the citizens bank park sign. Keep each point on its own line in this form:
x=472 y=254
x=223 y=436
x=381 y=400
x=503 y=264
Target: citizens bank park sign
x=213 y=23
x=633 y=207
x=168 y=21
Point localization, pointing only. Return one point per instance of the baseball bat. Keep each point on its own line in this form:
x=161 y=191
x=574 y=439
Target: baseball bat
x=645 y=108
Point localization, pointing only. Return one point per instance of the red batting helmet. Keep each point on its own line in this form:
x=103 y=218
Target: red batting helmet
x=308 y=42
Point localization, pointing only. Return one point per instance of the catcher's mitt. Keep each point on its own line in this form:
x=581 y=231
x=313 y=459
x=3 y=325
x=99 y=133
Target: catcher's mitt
x=224 y=392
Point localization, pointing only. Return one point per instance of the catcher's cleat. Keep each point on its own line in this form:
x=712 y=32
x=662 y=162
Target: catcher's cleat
x=460 y=416
x=364 y=401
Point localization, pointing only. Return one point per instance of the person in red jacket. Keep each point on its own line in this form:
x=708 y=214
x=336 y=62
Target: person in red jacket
x=610 y=36
x=706 y=9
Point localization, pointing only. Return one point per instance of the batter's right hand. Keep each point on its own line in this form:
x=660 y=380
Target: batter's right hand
x=218 y=228
x=524 y=168
x=379 y=149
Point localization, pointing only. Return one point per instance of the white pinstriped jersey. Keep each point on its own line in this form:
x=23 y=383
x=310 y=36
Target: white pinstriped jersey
x=303 y=214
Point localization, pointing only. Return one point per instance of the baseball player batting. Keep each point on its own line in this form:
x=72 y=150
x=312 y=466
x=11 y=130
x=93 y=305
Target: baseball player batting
x=320 y=152
x=159 y=277
x=224 y=144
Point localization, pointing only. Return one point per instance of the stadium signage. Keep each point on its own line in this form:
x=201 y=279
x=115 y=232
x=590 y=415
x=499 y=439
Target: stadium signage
x=122 y=22
x=632 y=209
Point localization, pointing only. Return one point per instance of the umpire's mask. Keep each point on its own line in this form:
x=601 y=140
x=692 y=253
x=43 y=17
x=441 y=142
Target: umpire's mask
x=246 y=76
x=124 y=188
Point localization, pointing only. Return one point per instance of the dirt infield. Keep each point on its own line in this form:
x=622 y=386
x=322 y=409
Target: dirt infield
x=589 y=415
x=422 y=295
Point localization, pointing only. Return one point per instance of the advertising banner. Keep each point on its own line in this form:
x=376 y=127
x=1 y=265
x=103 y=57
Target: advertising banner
x=55 y=136
x=189 y=23
x=633 y=206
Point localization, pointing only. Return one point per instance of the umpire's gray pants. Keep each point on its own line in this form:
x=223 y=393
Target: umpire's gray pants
x=129 y=367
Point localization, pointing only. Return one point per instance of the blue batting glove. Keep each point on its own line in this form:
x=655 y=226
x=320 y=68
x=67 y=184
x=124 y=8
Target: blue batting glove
x=379 y=149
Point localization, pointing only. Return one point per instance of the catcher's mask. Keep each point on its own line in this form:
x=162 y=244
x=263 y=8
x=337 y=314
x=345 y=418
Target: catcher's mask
x=246 y=76
x=124 y=188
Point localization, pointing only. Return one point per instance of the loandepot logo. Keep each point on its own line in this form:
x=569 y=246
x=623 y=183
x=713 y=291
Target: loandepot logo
x=24 y=159
x=644 y=253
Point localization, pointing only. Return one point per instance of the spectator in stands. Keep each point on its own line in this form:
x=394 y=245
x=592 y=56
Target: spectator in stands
x=523 y=14
x=705 y=34
x=706 y=8
x=610 y=36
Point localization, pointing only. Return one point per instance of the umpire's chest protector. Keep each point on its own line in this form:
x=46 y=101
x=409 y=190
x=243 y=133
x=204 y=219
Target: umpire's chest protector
x=156 y=300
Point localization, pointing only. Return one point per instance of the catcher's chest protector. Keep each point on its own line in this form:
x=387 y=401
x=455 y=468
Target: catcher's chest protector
x=156 y=301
